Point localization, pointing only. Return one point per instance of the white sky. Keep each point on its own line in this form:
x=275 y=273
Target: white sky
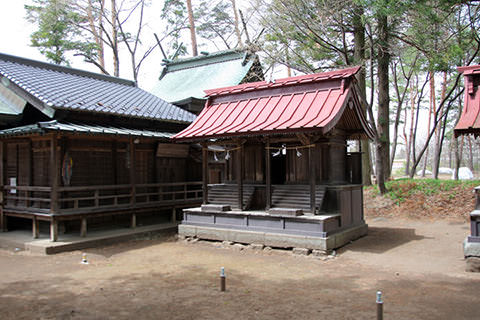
x=15 y=40
x=16 y=30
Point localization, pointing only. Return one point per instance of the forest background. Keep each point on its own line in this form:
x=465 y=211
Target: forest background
x=409 y=51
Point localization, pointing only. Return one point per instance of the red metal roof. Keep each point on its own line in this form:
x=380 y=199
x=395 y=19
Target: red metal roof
x=469 y=122
x=304 y=103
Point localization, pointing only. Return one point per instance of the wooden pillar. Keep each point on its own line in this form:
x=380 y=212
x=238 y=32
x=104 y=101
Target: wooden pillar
x=29 y=170
x=55 y=174
x=83 y=227
x=240 y=166
x=35 y=227
x=3 y=221
x=133 y=222
x=174 y=215
x=114 y=161
x=268 y=176
x=132 y=172
x=3 y=154
x=53 y=230
x=205 y=173
x=311 y=164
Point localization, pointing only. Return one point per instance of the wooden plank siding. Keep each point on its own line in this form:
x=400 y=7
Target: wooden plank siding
x=101 y=181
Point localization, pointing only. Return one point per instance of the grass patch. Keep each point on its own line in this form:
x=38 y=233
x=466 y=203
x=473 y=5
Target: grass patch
x=402 y=189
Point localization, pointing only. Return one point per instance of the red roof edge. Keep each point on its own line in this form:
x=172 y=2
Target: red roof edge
x=336 y=74
x=466 y=70
x=469 y=121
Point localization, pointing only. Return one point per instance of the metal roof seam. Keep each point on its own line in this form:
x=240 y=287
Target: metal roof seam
x=306 y=111
x=246 y=116
x=279 y=116
x=206 y=129
x=258 y=114
x=291 y=115
x=221 y=126
x=319 y=109
x=318 y=124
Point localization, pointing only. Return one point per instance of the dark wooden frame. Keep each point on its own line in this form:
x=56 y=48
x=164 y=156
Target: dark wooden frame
x=95 y=200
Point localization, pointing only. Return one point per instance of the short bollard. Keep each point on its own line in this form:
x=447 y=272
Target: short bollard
x=379 y=306
x=84 y=259
x=222 y=279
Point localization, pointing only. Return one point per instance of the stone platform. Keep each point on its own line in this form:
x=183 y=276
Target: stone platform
x=22 y=239
x=320 y=232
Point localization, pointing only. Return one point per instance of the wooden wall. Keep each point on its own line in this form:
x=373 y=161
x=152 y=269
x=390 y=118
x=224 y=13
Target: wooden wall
x=329 y=157
x=95 y=162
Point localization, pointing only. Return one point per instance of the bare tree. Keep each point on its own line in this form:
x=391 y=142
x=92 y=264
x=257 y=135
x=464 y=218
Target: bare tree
x=191 y=22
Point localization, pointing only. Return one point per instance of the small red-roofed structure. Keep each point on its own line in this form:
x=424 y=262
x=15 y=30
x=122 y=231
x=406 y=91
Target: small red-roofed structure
x=275 y=161
x=469 y=123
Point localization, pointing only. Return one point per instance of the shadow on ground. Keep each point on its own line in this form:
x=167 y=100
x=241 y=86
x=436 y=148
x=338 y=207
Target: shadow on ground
x=382 y=239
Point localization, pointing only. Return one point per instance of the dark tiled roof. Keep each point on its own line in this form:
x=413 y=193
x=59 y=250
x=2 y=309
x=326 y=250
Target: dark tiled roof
x=52 y=126
x=49 y=87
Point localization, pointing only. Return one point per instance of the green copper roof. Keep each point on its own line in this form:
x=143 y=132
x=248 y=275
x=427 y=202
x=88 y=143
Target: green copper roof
x=187 y=78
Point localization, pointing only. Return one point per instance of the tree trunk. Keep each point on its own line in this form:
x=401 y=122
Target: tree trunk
x=192 y=28
x=430 y=109
x=438 y=130
x=383 y=139
x=236 y=24
x=116 y=60
x=97 y=32
x=359 y=60
x=470 y=153
x=457 y=158
x=410 y=147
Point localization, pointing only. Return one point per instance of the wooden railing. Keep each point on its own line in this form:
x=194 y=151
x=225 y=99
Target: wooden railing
x=102 y=197
x=27 y=198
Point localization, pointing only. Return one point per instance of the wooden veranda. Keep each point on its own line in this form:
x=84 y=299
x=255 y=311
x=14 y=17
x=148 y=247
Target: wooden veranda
x=59 y=176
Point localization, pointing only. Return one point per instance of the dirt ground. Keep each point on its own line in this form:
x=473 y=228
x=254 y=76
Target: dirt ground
x=418 y=264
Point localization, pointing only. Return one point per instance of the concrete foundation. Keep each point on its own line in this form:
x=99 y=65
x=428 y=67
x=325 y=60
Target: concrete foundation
x=324 y=244
x=23 y=240
x=471 y=249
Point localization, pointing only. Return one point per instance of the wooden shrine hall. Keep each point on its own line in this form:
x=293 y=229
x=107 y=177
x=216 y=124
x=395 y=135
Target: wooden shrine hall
x=89 y=147
x=276 y=170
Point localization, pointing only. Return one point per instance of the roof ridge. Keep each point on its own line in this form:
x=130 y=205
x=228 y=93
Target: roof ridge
x=206 y=56
x=207 y=63
x=335 y=74
x=64 y=69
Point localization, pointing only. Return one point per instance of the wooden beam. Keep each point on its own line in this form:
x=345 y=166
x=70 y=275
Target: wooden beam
x=240 y=166
x=114 y=161
x=55 y=173
x=3 y=154
x=133 y=222
x=53 y=230
x=3 y=221
x=205 y=173
x=35 y=227
x=29 y=169
x=268 y=176
x=132 y=171
x=83 y=227
x=3 y=176
x=303 y=138
x=312 y=179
